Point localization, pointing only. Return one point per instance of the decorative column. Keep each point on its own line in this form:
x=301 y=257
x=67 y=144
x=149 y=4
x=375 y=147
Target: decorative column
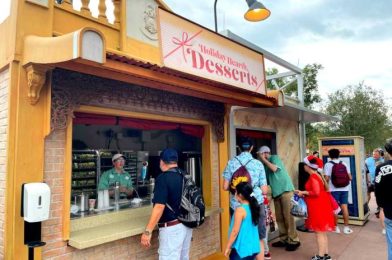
x=102 y=10
x=117 y=13
x=85 y=9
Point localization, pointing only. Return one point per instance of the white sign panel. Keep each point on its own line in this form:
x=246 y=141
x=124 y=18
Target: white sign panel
x=192 y=49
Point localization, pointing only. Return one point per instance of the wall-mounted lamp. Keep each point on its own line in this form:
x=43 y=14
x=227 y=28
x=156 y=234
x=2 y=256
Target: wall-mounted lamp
x=256 y=12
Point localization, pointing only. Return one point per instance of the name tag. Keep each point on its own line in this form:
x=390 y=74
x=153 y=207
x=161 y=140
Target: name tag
x=111 y=176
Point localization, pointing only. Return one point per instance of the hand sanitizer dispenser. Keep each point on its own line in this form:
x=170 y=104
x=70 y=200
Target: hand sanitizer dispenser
x=36 y=202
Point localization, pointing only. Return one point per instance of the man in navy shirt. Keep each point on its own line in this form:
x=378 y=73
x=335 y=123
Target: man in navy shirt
x=174 y=237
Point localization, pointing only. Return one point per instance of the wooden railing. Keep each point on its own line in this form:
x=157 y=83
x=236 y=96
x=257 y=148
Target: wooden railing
x=103 y=11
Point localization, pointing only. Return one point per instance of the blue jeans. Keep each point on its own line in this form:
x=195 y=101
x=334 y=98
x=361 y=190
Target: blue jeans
x=174 y=242
x=388 y=229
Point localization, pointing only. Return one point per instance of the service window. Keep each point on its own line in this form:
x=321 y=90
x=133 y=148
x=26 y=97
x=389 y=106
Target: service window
x=97 y=138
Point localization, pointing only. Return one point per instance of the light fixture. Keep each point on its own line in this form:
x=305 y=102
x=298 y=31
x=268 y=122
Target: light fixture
x=257 y=11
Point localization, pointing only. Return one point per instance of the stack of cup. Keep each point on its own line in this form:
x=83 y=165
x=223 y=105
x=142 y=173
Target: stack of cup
x=100 y=199
x=106 y=198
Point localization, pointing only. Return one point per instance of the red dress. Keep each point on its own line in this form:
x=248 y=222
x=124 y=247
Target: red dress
x=320 y=213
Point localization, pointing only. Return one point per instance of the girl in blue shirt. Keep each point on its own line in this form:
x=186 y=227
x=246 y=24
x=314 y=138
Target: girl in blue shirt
x=243 y=233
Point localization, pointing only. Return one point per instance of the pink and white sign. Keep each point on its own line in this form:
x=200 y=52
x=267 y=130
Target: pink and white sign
x=195 y=50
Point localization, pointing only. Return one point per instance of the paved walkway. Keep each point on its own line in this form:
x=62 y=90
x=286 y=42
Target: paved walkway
x=366 y=242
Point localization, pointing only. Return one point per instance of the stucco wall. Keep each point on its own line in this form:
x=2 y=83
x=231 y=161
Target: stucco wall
x=287 y=136
x=4 y=89
x=206 y=240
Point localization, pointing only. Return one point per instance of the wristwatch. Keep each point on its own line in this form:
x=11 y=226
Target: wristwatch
x=147 y=232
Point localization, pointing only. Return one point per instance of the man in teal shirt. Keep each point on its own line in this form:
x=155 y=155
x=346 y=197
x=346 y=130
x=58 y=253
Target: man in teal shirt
x=117 y=174
x=282 y=190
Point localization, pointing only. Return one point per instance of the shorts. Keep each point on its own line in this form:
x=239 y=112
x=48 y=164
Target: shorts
x=234 y=256
x=261 y=226
x=370 y=188
x=341 y=197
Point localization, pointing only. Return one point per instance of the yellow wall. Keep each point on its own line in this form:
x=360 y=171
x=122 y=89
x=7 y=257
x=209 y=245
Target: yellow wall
x=25 y=154
x=4 y=93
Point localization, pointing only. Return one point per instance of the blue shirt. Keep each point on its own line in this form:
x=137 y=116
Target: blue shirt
x=371 y=166
x=247 y=242
x=256 y=172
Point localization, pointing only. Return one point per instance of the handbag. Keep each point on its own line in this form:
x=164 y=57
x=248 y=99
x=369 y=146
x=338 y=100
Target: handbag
x=298 y=207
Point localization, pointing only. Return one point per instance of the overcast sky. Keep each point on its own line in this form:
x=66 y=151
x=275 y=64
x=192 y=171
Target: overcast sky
x=351 y=39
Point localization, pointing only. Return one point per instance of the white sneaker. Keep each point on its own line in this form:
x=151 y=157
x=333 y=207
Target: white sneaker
x=347 y=230
x=383 y=231
x=337 y=230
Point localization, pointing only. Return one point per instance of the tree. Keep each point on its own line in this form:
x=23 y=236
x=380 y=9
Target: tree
x=362 y=111
x=309 y=74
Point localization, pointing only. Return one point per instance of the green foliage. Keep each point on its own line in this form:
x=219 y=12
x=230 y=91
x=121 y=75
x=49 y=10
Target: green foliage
x=309 y=74
x=363 y=112
x=311 y=95
x=280 y=82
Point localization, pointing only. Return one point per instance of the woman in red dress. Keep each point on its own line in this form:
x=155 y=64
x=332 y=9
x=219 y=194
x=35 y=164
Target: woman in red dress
x=321 y=218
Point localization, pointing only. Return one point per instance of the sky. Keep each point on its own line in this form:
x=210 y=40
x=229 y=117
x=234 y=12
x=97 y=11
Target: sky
x=351 y=39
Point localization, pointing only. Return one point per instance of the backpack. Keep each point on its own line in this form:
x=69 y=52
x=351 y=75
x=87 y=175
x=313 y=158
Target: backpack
x=192 y=207
x=240 y=175
x=339 y=175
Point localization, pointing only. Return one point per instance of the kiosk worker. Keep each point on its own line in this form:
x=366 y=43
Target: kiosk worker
x=117 y=174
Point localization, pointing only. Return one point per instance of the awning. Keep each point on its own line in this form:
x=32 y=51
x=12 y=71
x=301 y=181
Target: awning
x=294 y=112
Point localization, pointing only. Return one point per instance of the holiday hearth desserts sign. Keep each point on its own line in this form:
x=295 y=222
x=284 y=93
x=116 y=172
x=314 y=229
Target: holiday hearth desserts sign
x=192 y=49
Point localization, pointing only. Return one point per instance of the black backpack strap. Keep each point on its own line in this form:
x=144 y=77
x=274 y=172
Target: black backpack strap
x=248 y=162
x=239 y=161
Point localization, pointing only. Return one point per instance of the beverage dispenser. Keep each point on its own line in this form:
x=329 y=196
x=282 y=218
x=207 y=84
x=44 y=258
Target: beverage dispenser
x=193 y=166
x=142 y=173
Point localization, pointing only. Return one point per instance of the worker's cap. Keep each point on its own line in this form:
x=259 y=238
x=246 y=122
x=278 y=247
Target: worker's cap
x=117 y=156
x=169 y=155
x=264 y=149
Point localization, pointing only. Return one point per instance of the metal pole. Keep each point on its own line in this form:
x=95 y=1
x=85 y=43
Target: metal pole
x=215 y=19
x=31 y=253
